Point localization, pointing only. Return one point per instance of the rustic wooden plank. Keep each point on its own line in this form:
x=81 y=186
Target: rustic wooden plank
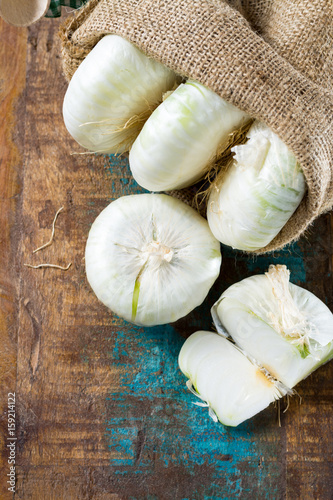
x=12 y=84
x=309 y=424
x=103 y=411
x=60 y=396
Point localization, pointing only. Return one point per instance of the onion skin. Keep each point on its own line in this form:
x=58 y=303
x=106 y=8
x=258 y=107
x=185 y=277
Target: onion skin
x=251 y=202
x=284 y=327
x=234 y=388
x=111 y=93
x=183 y=137
x=151 y=258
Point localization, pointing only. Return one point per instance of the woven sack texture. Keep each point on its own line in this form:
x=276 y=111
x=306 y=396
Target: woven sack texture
x=300 y=31
x=272 y=59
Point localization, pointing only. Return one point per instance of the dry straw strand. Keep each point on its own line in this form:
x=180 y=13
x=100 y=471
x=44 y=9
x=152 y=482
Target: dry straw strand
x=46 y=265
x=52 y=234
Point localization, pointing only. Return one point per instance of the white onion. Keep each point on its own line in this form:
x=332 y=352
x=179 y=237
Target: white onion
x=271 y=334
x=233 y=387
x=250 y=204
x=113 y=90
x=284 y=327
x=151 y=258
x=182 y=137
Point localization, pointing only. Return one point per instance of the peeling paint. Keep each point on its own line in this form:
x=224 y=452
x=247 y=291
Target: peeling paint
x=179 y=434
x=161 y=444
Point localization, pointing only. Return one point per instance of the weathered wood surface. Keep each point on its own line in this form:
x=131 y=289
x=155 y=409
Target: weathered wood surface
x=102 y=411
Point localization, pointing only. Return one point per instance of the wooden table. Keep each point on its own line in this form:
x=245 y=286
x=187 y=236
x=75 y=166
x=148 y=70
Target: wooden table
x=102 y=411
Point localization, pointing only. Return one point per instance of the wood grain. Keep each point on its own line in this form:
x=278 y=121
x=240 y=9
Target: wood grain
x=12 y=84
x=102 y=409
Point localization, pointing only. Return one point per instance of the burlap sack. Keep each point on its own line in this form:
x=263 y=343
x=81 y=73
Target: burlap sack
x=277 y=71
x=300 y=31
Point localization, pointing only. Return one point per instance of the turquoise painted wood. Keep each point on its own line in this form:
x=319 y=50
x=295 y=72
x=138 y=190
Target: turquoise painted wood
x=163 y=445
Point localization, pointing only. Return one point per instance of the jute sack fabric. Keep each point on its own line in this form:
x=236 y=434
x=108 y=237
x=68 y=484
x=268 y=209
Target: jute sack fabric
x=212 y=42
x=300 y=31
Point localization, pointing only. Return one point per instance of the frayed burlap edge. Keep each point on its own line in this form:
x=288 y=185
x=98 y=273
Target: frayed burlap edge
x=73 y=54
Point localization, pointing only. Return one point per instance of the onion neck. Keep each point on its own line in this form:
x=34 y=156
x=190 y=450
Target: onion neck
x=291 y=322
